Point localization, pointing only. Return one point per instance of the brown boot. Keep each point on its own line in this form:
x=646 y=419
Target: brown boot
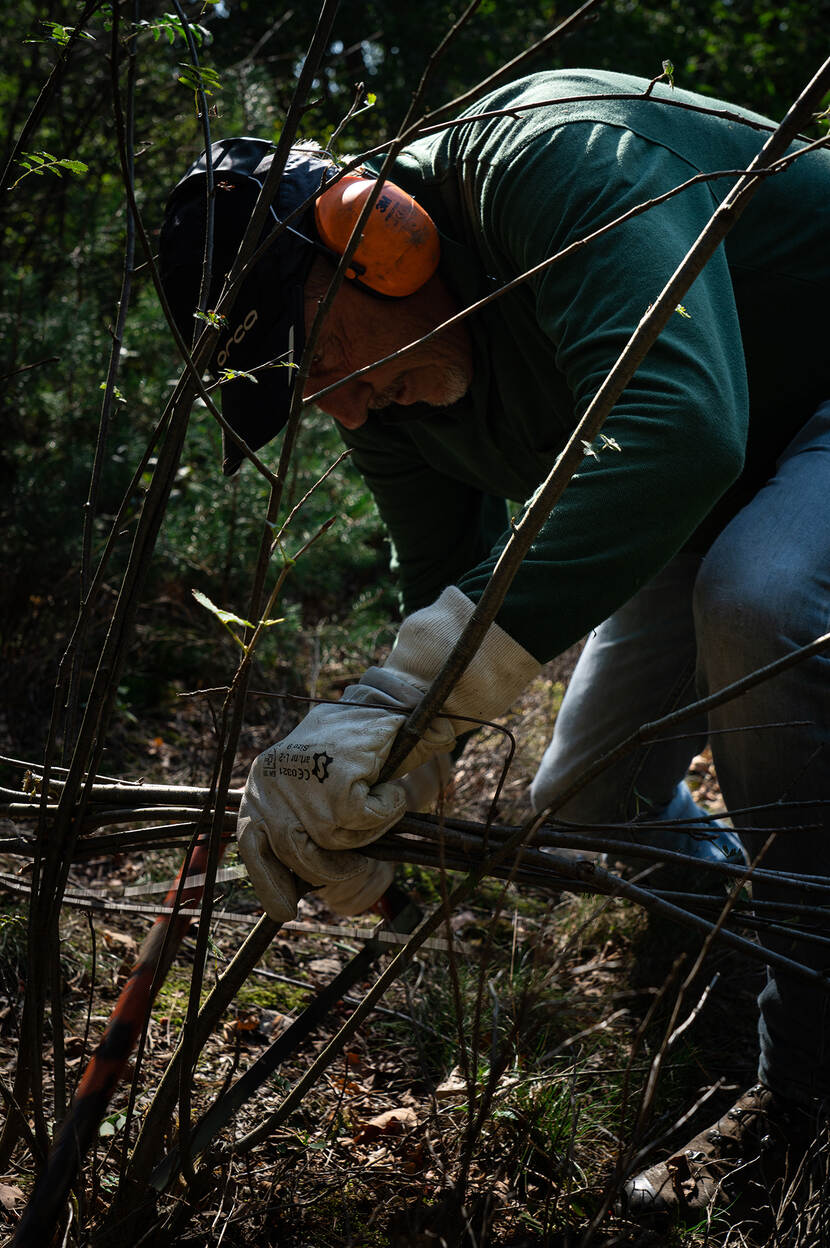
x=746 y=1161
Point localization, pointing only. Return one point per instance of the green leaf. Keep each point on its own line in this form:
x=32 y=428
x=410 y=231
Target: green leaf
x=682 y=311
x=46 y=162
x=505 y=1115
x=216 y=319
x=232 y=374
x=199 y=77
x=172 y=27
x=56 y=33
x=74 y=166
x=112 y=1124
x=227 y=617
x=116 y=393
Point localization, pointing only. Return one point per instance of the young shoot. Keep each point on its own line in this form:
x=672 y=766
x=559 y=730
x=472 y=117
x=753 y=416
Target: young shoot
x=228 y=618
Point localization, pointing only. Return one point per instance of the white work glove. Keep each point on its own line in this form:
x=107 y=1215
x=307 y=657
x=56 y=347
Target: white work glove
x=351 y=882
x=312 y=799
x=427 y=783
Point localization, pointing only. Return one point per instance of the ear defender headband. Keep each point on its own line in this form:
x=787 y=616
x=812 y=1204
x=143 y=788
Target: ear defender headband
x=398 y=252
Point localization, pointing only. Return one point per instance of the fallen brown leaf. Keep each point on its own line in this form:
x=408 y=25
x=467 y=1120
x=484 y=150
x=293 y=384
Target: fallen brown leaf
x=120 y=940
x=325 y=966
x=9 y=1196
x=453 y=1086
x=391 y=1122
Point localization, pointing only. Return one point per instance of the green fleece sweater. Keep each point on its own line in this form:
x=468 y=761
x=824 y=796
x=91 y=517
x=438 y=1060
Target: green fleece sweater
x=702 y=422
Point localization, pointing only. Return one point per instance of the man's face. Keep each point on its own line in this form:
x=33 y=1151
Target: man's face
x=360 y=329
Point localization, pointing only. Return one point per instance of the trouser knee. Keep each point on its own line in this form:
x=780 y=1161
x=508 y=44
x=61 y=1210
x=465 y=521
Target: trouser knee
x=751 y=607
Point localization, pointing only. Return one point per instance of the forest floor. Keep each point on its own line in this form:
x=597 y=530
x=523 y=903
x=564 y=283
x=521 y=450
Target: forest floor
x=516 y=1057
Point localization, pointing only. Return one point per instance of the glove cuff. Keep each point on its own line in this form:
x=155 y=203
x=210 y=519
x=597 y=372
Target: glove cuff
x=493 y=679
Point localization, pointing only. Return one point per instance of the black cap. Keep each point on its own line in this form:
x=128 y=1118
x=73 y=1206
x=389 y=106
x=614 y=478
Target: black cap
x=266 y=325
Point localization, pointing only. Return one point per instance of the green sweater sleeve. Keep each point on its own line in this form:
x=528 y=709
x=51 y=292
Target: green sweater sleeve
x=680 y=424
x=439 y=527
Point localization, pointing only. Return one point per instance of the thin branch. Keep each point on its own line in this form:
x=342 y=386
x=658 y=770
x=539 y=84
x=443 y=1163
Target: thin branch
x=354 y=109
x=210 y=202
x=25 y=368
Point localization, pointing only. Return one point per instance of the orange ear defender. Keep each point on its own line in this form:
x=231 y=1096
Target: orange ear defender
x=399 y=249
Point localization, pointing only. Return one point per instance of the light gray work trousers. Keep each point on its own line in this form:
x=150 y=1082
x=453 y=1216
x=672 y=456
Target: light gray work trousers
x=761 y=591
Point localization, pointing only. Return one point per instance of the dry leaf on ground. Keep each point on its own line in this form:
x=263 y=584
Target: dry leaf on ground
x=391 y=1122
x=9 y=1196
